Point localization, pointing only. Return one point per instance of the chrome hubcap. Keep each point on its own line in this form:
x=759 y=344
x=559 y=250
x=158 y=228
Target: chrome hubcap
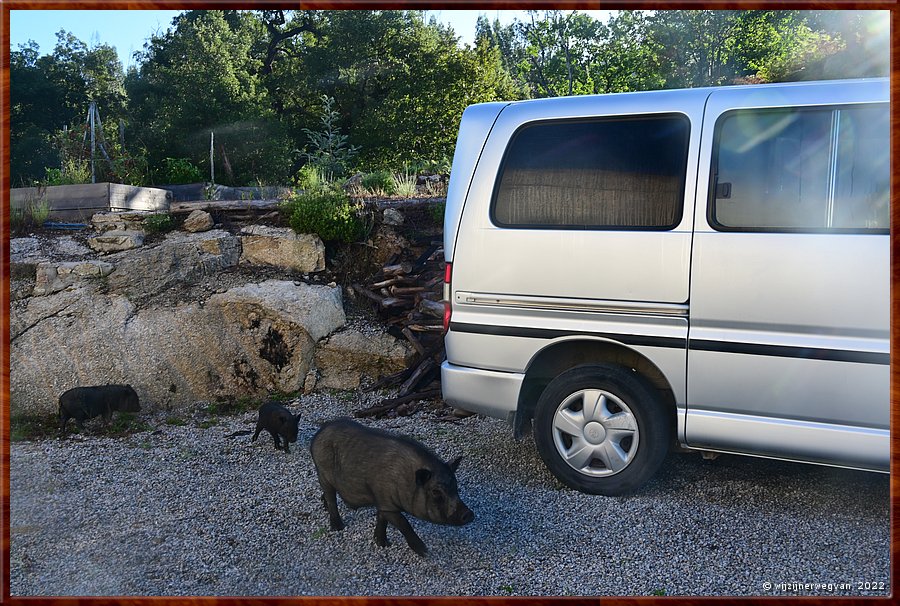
x=595 y=432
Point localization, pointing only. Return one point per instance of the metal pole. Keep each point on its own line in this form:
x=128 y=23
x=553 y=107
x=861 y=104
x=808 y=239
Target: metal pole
x=212 y=167
x=91 y=110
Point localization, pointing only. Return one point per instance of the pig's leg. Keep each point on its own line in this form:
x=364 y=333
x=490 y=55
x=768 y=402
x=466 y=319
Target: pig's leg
x=381 y=530
x=259 y=428
x=286 y=449
x=276 y=440
x=412 y=539
x=329 y=495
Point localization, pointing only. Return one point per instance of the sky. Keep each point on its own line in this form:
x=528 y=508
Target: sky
x=127 y=30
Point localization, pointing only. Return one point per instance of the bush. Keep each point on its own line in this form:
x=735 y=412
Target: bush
x=34 y=213
x=310 y=177
x=328 y=213
x=405 y=185
x=328 y=149
x=379 y=183
x=74 y=171
x=180 y=170
x=159 y=223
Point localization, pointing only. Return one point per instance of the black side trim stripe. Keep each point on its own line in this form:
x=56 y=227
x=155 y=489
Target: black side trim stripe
x=782 y=351
x=809 y=353
x=545 y=333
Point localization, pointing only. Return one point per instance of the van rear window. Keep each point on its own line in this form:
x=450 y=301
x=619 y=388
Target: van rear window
x=610 y=173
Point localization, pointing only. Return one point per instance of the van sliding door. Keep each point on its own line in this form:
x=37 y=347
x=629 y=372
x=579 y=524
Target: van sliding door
x=788 y=341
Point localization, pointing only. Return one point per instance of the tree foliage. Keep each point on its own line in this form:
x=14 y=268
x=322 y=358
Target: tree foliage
x=395 y=85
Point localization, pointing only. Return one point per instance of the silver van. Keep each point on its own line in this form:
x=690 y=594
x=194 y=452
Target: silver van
x=703 y=267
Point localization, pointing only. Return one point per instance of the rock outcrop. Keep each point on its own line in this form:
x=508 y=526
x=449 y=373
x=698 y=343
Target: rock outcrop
x=282 y=247
x=246 y=342
x=347 y=356
x=180 y=258
x=188 y=318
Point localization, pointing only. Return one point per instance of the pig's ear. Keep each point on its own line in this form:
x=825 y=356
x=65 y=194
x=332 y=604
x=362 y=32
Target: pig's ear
x=422 y=476
x=454 y=463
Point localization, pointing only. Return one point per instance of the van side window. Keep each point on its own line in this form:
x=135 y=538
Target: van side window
x=611 y=173
x=812 y=170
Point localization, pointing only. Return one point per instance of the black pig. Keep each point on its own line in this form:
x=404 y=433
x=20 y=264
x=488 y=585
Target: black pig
x=394 y=473
x=279 y=422
x=81 y=403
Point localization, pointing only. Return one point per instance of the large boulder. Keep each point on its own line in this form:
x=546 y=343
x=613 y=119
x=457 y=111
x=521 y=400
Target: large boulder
x=246 y=342
x=198 y=220
x=116 y=240
x=348 y=356
x=282 y=247
x=118 y=221
x=180 y=258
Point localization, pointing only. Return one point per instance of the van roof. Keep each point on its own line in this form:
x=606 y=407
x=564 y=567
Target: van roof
x=698 y=91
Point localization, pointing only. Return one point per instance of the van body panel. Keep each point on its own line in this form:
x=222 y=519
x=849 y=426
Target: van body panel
x=474 y=128
x=788 y=328
x=483 y=391
x=841 y=445
x=607 y=264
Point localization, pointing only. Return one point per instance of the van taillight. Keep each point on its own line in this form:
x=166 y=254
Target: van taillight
x=447 y=273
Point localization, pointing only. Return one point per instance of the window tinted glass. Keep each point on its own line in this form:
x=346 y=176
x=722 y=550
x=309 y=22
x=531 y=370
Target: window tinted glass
x=611 y=173
x=806 y=170
x=863 y=173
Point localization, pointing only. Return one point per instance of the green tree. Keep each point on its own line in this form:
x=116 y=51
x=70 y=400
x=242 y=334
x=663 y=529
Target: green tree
x=50 y=92
x=400 y=85
x=628 y=58
x=203 y=75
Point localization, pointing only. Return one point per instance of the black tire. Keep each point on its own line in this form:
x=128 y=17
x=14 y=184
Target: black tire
x=624 y=435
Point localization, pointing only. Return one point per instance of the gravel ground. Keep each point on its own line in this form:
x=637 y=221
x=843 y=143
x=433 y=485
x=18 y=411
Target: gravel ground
x=185 y=510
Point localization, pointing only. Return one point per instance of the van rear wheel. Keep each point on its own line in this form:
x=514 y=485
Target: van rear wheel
x=601 y=429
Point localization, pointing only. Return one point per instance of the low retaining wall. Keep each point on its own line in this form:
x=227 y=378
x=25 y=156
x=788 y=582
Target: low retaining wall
x=80 y=202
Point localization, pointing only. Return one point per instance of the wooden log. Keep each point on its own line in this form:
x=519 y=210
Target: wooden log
x=418 y=374
x=396 y=269
x=431 y=308
x=391 y=379
x=402 y=291
x=387 y=405
x=223 y=205
x=435 y=281
x=417 y=345
x=393 y=281
x=367 y=293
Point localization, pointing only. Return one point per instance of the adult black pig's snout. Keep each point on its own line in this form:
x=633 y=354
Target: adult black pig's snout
x=463 y=516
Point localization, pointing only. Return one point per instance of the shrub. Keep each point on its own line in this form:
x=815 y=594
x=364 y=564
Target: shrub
x=73 y=172
x=405 y=185
x=311 y=177
x=33 y=213
x=40 y=211
x=328 y=149
x=379 y=183
x=158 y=223
x=328 y=213
x=180 y=170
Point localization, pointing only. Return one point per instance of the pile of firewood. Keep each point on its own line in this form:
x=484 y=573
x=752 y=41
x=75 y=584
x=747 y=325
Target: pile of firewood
x=407 y=296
